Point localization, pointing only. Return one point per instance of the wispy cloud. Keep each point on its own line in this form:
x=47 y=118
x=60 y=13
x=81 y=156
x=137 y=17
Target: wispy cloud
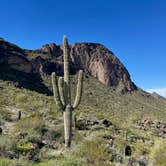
x=160 y=91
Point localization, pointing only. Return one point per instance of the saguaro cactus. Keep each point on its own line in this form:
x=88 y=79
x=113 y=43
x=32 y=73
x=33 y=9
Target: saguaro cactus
x=62 y=95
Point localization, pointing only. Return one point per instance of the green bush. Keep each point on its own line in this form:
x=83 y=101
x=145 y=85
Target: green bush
x=158 y=153
x=93 y=152
x=29 y=124
x=60 y=162
x=7 y=146
x=6 y=162
x=21 y=98
x=5 y=115
x=24 y=146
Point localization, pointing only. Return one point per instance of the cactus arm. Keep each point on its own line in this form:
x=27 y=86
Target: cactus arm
x=66 y=72
x=61 y=93
x=79 y=90
x=56 y=92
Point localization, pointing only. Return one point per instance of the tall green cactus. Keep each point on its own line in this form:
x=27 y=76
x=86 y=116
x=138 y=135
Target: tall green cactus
x=62 y=95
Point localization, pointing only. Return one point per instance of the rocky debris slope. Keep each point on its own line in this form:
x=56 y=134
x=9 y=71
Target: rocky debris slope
x=155 y=127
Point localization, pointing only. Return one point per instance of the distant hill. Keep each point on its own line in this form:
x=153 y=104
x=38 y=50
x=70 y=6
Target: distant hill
x=156 y=95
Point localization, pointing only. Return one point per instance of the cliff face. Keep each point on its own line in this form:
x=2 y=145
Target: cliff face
x=93 y=58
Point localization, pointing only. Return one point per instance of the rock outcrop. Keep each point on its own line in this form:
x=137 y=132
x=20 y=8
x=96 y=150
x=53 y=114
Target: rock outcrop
x=153 y=126
x=14 y=57
x=52 y=49
x=95 y=59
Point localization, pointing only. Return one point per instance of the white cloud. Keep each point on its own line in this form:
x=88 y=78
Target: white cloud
x=160 y=91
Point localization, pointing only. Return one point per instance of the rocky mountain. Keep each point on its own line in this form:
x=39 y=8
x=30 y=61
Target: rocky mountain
x=14 y=57
x=95 y=59
x=109 y=128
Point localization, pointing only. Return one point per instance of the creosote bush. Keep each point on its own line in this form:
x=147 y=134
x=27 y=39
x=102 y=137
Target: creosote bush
x=5 y=115
x=158 y=153
x=93 y=152
x=7 y=146
x=29 y=124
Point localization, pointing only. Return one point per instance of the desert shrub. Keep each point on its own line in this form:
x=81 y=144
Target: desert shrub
x=63 y=161
x=78 y=136
x=31 y=130
x=7 y=147
x=21 y=98
x=53 y=112
x=81 y=125
x=120 y=143
x=94 y=152
x=29 y=124
x=33 y=136
x=158 y=153
x=5 y=115
x=22 y=162
x=47 y=137
x=53 y=137
x=141 y=148
x=54 y=134
x=6 y=162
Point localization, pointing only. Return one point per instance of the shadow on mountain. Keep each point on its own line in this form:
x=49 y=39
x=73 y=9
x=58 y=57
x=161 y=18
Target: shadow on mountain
x=24 y=80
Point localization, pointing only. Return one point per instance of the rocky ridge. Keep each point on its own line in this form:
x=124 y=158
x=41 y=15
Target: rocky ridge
x=95 y=59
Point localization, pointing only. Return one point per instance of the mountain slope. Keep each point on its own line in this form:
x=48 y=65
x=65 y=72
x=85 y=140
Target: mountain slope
x=108 y=122
x=41 y=126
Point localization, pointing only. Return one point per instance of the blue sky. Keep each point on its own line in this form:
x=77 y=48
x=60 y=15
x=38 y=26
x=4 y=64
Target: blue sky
x=135 y=30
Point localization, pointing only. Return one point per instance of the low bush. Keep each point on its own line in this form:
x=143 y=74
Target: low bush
x=94 y=152
x=7 y=147
x=158 y=153
x=29 y=124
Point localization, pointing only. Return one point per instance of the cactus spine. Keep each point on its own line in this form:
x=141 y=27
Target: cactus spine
x=62 y=95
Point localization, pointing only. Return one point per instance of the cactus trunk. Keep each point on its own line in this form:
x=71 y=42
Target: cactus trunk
x=68 y=109
x=68 y=125
x=74 y=121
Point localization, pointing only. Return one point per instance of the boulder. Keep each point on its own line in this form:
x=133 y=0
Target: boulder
x=106 y=123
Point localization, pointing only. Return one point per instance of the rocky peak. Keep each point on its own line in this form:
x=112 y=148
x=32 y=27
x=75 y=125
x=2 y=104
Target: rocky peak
x=52 y=49
x=95 y=59
x=14 y=57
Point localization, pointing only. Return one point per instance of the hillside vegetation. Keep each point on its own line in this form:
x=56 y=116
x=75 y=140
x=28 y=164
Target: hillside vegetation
x=107 y=130
x=116 y=123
